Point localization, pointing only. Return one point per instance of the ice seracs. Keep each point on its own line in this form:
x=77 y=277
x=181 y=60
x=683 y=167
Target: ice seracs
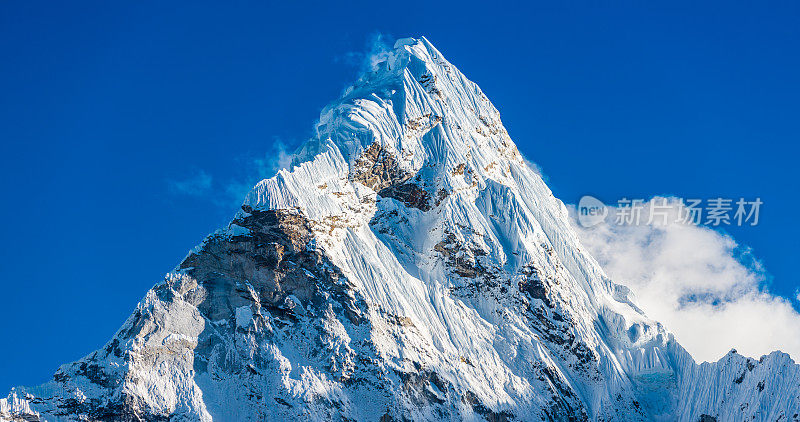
x=409 y=266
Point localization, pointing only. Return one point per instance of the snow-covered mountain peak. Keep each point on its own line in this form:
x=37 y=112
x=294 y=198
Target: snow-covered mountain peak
x=416 y=114
x=411 y=90
x=409 y=266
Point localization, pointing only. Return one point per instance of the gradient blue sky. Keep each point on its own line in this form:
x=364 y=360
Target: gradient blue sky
x=128 y=131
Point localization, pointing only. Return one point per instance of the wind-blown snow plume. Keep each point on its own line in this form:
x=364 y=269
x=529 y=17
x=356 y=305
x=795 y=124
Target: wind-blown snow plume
x=254 y=169
x=229 y=194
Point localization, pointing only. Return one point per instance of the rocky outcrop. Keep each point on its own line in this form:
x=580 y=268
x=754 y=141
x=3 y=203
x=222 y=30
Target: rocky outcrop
x=379 y=170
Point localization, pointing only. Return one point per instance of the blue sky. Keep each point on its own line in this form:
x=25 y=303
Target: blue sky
x=128 y=131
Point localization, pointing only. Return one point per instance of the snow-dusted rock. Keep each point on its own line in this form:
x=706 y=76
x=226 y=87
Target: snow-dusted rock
x=410 y=266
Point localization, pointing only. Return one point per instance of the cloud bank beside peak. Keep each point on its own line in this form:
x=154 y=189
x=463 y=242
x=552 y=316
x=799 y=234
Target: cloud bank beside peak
x=707 y=290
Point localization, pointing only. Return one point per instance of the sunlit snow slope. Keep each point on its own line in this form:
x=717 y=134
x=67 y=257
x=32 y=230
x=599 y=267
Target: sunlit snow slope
x=410 y=266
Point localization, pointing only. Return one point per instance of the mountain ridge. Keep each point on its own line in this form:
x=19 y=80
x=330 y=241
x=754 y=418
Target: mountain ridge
x=410 y=265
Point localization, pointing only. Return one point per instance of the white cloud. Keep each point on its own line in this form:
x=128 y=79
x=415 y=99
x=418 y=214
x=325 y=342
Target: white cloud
x=705 y=288
x=197 y=184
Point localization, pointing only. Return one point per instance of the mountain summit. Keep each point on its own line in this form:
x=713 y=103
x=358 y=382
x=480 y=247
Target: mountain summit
x=409 y=266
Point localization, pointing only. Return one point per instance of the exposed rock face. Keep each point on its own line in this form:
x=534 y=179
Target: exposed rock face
x=271 y=266
x=377 y=169
x=410 y=266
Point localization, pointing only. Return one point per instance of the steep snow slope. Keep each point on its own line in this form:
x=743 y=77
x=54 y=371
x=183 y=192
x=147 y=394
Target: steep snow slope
x=410 y=265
